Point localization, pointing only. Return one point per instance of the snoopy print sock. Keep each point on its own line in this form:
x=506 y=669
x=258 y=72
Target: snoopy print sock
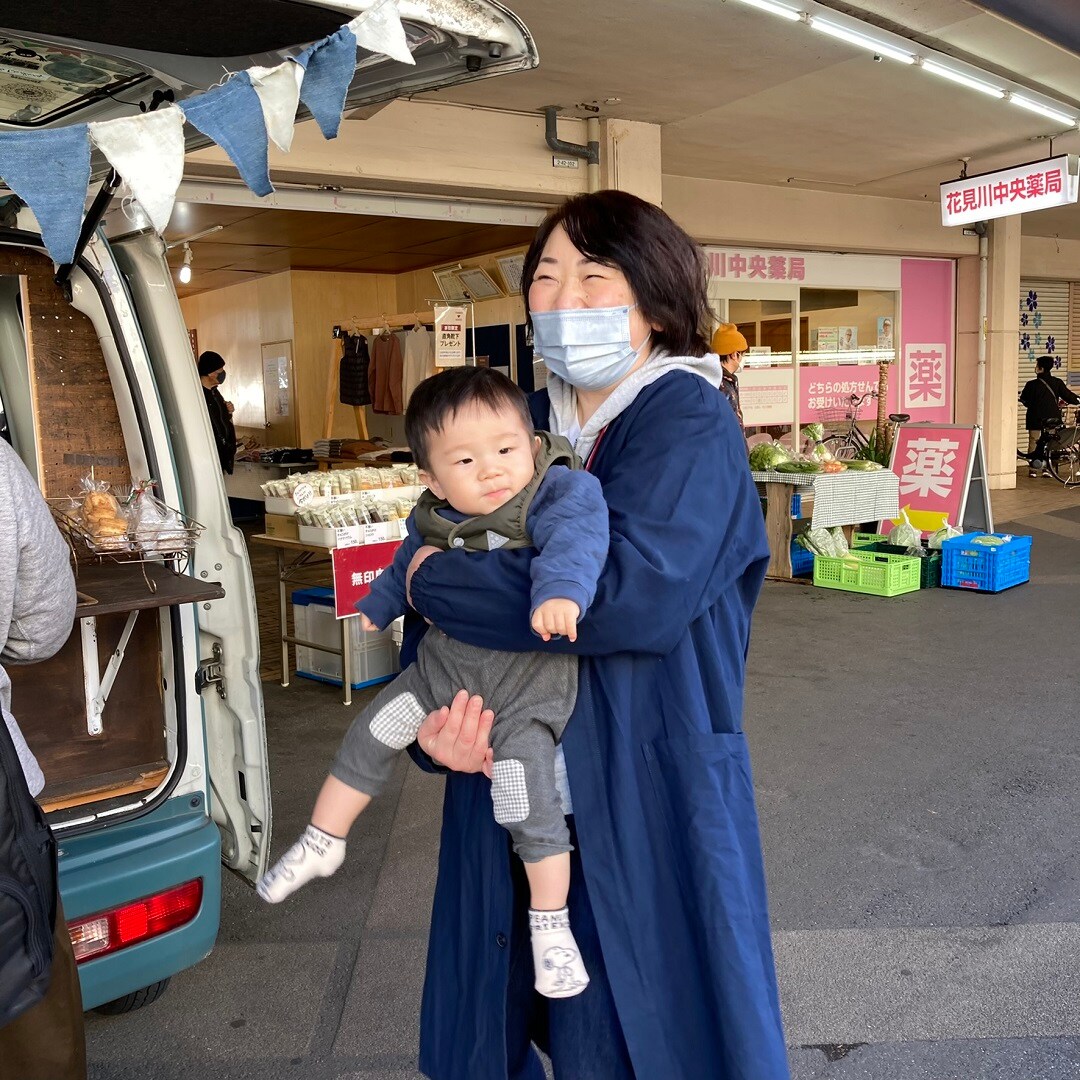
x=559 y=970
x=316 y=854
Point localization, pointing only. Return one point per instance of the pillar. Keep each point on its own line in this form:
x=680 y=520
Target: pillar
x=630 y=158
x=1002 y=351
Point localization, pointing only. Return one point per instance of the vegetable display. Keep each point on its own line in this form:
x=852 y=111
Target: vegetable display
x=766 y=456
x=798 y=467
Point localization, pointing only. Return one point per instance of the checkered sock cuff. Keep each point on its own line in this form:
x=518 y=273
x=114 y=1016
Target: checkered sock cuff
x=549 y=920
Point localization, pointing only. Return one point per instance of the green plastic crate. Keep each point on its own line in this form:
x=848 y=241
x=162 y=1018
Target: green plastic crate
x=865 y=540
x=929 y=565
x=868 y=572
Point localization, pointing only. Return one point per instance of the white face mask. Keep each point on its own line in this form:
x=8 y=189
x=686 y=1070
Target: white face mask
x=589 y=348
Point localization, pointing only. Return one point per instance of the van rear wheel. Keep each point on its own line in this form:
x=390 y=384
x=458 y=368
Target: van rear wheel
x=135 y=1000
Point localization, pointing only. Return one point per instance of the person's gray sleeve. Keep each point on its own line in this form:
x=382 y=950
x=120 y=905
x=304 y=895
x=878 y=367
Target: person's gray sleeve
x=41 y=593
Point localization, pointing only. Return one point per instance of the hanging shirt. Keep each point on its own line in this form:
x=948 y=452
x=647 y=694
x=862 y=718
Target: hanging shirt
x=384 y=375
x=419 y=361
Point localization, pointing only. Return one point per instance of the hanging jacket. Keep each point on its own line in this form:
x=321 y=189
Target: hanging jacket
x=353 y=371
x=658 y=765
x=730 y=387
x=385 y=375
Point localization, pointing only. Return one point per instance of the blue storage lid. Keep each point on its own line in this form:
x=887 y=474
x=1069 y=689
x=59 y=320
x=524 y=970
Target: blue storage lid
x=315 y=595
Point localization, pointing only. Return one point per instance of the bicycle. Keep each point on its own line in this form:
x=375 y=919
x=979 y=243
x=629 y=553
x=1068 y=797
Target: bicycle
x=1062 y=452
x=851 y=444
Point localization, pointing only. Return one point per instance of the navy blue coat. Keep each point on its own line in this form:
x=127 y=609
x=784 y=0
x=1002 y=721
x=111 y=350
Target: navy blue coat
x=657 y=762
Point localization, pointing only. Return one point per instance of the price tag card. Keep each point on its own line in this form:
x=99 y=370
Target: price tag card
x=347 y=536
x=303 y=494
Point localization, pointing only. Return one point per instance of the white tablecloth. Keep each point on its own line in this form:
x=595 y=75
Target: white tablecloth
x=846 y=498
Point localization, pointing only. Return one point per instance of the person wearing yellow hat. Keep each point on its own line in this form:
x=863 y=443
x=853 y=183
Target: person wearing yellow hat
x=729 y=344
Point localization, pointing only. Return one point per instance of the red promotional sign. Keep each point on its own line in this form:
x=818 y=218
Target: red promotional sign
x=934 y=463
x=355 y=568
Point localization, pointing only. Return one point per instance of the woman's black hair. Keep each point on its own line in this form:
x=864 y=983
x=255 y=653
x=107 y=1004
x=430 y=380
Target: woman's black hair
x=1044 y=363
x=666 y=269
x=444 y=395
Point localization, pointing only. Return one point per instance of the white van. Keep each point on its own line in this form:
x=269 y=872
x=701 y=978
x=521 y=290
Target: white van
x=153 y=785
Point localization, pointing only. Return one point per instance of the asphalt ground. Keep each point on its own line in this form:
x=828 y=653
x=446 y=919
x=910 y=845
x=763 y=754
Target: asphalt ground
x=916 y=764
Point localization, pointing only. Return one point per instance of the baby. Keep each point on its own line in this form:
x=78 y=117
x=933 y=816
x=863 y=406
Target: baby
x=493 y=482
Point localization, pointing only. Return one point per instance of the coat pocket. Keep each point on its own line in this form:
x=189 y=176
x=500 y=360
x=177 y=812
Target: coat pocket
x=705 y=795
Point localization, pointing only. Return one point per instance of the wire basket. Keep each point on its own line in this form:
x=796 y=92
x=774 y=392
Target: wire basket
x=139 y=544
x=835 y=416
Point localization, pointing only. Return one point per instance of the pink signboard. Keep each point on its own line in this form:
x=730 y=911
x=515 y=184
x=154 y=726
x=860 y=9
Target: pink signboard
x=934 y=465
x=823 y=391
x=923 y=372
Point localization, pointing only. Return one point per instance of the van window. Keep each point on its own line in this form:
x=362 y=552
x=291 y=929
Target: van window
x=40 y=83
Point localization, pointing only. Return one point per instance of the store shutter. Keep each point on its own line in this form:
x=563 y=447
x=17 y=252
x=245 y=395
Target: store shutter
x=1073 y=377
x=1045 y=308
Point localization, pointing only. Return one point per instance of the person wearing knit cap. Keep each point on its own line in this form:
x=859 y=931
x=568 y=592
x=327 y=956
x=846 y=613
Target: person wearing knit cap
x=729 y=344
x=212 y=375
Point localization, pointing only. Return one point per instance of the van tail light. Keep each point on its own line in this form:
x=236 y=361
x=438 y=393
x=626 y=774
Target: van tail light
x=107 y=931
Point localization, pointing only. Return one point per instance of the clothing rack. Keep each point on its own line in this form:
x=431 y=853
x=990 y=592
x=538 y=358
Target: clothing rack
x=356 y=324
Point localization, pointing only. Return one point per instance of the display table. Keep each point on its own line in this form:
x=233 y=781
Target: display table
x=844 y=499
x=304 y=556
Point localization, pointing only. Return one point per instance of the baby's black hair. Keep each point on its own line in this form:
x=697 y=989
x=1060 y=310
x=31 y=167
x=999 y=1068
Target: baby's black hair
x=444 y=395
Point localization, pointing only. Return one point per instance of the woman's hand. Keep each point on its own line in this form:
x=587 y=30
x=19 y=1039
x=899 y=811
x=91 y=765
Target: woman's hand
x=457 y=737
x=423 y=553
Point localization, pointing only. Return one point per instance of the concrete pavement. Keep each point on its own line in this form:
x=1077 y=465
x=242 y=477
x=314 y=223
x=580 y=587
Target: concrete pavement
x=916 y=766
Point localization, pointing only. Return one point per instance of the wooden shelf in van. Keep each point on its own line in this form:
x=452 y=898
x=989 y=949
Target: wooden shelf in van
x=106 y=588
x=108 y=786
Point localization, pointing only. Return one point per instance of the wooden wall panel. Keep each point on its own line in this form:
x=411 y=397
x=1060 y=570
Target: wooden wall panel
x=78 y=426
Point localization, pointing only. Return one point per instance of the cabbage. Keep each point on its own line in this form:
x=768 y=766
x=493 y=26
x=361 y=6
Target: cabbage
x=905 y=534
x=766 y=456
x=946 y=532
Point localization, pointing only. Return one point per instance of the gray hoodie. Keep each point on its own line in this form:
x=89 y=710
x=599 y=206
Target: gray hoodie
x=37 y=589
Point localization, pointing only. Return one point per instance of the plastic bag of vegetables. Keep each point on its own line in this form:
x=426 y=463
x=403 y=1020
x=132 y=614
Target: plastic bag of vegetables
x=905 y=535
x=839 y=539
x=814 y=432
x=766 y=456
x=946 y=532
x=820 y=542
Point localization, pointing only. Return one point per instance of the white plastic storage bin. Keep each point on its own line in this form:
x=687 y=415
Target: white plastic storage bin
x=374 y=658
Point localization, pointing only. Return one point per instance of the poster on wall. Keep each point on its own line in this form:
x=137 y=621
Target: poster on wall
x=767 y=396
x=847 y=338
x=450 y=337
x=826 y=338
x=884 y=332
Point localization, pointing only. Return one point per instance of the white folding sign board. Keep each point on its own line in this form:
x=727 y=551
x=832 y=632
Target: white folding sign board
x=1036 y=186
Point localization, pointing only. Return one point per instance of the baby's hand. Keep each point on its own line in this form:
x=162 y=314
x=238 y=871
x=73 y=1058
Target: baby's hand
x=556 y=617
x=367 y=625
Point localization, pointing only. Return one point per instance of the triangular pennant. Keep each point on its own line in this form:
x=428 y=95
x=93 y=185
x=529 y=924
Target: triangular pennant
x=279 y=94
x=50 y=171
x=379 y=30
x=148 y=152
x=232 y=116
x=330 y=65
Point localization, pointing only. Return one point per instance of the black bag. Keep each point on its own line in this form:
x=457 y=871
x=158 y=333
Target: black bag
x=27 y=889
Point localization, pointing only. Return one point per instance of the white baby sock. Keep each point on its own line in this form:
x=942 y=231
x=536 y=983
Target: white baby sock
x=316 y=854
x=556 y=959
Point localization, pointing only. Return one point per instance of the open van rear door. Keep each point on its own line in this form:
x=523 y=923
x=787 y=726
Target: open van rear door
x=64 y=63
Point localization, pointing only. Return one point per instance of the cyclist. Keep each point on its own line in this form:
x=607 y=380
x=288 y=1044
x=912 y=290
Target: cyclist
x=1042 y=396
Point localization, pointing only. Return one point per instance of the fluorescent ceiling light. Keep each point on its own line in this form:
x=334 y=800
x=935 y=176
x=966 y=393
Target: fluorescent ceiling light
x=774 y=8
x=864 y=41
x=964 y=80
x=1043 y=110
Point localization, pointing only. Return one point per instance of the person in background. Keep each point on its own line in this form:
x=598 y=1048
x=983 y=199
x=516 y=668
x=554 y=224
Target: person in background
x=212 y=374
x=44 y=1039
x=729 y=344
x=1042 y=396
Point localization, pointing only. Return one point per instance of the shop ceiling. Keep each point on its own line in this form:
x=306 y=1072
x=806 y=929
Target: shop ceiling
x=253 y=242
x=743 y=95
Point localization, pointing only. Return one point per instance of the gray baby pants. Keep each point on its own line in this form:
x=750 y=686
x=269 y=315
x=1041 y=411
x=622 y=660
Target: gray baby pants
x=532 y=696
